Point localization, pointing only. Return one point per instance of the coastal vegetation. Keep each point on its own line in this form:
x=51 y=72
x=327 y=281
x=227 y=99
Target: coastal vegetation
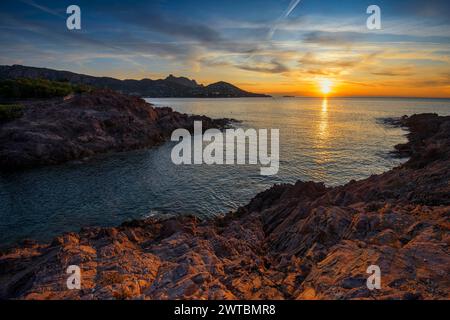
x=10 y=112
x=26 y=88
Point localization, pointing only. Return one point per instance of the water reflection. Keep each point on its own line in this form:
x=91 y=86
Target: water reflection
x=319 y=141
x=323 y=121
x=322 y=142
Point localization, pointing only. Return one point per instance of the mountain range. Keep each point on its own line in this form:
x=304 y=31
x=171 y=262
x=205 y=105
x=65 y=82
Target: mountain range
x=169 y=87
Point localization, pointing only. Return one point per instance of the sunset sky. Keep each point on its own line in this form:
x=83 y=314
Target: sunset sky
x=257 y=45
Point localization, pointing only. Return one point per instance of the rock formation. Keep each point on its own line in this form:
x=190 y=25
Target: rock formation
x=302 y=241
x=56 y=131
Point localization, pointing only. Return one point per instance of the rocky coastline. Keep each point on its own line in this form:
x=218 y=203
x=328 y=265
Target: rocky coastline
x=80 y=126
x=301 y=241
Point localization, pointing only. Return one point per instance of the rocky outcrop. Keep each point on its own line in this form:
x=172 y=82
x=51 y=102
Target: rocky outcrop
x=302 y=241
x=56 y=131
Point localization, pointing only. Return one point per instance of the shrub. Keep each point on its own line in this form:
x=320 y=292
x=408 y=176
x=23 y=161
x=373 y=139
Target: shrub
x=38 y=88
x=10 y=112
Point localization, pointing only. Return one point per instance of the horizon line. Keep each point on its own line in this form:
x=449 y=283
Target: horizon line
x=349 y=97
x=272 y=95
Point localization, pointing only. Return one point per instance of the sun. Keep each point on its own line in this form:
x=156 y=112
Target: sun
x=325 y=86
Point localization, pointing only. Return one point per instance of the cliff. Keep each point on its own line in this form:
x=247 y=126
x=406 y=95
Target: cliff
x=302 y=241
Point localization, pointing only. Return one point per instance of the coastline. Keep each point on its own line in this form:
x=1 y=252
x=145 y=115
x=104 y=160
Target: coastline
x=302 y=241
x=56 y=131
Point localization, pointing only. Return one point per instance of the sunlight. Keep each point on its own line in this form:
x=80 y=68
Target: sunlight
x=325 y=86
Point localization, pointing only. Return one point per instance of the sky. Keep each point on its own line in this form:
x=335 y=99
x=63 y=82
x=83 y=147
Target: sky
x=279 y=47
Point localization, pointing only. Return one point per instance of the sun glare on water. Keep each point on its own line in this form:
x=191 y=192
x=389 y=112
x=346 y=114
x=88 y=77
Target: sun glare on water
x=325 y=86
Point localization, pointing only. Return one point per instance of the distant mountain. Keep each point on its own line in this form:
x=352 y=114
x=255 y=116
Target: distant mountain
x=169 y=87
x=183 y=81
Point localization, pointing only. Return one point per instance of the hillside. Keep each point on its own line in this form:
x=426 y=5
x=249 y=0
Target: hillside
x=169 y=87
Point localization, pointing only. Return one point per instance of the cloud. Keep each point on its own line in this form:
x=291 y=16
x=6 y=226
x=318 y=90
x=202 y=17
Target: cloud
x=358 y=83
x=69 y=45
x=272 y=67
x=311 y=58
x=58 y=36
x=333 y=38
x=432 y=9
x=431 y=83
x=323 y=72
x=171 y=36
x=214 y=61
x=313 y=64
x=394 y=72
x=180 y=27
x=342 y=39
x=43 y=8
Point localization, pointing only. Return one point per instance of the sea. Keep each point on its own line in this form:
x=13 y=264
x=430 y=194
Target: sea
x=330 y=140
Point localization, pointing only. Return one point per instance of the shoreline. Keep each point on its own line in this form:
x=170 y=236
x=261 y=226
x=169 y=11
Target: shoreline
x=292 y=241
x=56 y=131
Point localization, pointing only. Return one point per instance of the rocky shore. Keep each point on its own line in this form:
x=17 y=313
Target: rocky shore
x=302 y=241
x=78 y=127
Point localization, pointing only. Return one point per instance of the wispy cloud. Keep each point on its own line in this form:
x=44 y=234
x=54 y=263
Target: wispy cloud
x=314 y=64
x=273 y=66
x=394 y=72
x=43 y=8
x=181 y=28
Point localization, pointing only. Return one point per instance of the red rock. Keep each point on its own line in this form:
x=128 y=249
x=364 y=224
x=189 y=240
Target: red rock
x=302 y=241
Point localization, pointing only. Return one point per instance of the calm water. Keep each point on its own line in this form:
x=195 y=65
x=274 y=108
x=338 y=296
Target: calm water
x=332 y=141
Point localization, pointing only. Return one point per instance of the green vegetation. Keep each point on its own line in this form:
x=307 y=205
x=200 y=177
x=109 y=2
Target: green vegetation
x=38 y=88
x=10 y=111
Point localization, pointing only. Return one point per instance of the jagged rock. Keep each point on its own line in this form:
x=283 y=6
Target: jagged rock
x=302 y=241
